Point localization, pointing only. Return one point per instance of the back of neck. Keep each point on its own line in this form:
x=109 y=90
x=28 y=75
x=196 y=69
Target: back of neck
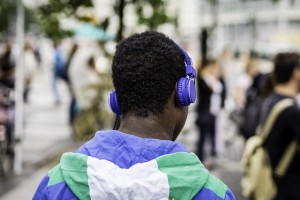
x=288 y=89
x=146 y=127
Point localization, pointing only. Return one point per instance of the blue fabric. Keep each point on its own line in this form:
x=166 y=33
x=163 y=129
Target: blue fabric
x=59 y=63
x=209 y=194
x=125 y=151
x=229 y=195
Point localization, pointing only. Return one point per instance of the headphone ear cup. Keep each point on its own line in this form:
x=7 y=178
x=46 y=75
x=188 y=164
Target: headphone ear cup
x=186 y=92
x=113 y=103
x=192 y=91
x=182 y=95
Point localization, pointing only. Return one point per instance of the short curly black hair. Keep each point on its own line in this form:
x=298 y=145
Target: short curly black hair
x=145 y=69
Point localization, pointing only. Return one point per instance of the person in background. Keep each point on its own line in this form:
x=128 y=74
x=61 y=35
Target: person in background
x=30 y=67
x=72 y=107
x=140 y=158
x=287 y=127
x=7 y=85
x=209 y=104
x=72 y=53
x=7 y=67
x=37 y=55
x=244 y=82
x=249 y=98
x=59 y=70
x=268 y=85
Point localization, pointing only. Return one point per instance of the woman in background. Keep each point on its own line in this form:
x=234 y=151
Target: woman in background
x=209 y=89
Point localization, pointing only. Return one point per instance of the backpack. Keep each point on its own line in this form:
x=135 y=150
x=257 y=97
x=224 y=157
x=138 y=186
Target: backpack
x=251 y=112
x=257 y=182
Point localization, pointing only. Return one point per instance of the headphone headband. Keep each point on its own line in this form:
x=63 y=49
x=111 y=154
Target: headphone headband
x=186 y=91
x=190 y=71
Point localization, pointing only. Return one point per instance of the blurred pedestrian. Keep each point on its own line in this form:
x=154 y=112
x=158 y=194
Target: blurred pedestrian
x=209 y=104
x=71 y=55
x=231 y=66
x=37 y=54
x=82 y=74
x=7 y=67
x=140 y=160
x=287 y=127
x=30 y=67
x=73 y=104
x=248 y=96
x=59 y=70
x=7 y=84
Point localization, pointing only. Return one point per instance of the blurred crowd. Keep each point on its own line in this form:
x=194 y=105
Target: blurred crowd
x=231 y=82
x=231 y=89
x=74 y=66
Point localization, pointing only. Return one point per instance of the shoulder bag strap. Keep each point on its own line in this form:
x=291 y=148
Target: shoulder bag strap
x=286 y=159
x=275 y=112
x=289 y=153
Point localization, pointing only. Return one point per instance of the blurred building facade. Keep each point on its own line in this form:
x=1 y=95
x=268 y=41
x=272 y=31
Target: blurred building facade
x=265 y=26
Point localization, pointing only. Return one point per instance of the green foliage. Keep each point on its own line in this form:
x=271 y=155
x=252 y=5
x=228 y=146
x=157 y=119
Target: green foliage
x=8 y=16
x=7 y=12
x=68 y=7
x=50 y=13
x=95 y=117
x=51 y=28
x=157 y=13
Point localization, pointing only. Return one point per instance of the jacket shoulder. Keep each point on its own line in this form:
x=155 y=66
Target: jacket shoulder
x=215 y=189
x=53 y=187
x=41 y=192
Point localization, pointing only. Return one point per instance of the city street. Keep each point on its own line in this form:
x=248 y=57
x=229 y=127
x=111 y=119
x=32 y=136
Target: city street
x=47 y=135
x=58 y=57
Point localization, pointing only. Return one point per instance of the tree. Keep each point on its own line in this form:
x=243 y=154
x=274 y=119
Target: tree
x=49 y=15
x=8 y=15
x=7 y=12
x=157 y=15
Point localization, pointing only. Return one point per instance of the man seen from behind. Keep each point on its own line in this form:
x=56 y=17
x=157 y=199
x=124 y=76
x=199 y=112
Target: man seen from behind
x=153 y=80
x=287 y=126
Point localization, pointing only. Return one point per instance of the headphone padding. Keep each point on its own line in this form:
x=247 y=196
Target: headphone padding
x=182 y=91
x=113 y=103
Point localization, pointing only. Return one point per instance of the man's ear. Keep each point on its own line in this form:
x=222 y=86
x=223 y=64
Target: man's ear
x=296 y=73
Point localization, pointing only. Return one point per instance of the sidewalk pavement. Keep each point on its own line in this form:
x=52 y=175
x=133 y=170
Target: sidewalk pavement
x=46 y=135
x=230 y=172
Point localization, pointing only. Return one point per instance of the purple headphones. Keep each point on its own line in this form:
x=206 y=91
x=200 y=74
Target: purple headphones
x=186 y=91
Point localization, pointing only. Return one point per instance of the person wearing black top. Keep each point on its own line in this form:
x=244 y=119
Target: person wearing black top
x=287 y=126
x=7 y=67
x=207 y=81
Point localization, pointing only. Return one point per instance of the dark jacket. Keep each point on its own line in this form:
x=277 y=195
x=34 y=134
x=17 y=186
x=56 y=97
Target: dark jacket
x=285 y=129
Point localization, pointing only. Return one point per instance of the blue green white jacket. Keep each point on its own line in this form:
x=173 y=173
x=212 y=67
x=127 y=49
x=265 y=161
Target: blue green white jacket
x=115 y=165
